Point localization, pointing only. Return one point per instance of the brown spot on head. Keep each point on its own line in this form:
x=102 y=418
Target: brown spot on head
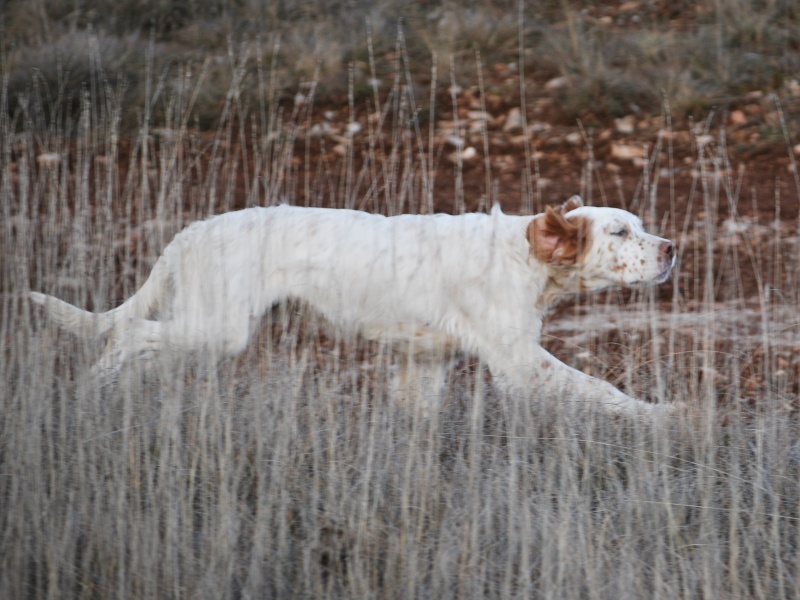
x=558 y=241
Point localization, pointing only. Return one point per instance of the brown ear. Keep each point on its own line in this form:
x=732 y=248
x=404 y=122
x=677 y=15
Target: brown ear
x=574 y=202
x=557 y=241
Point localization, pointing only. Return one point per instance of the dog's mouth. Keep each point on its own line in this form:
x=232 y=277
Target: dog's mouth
x=666 y=272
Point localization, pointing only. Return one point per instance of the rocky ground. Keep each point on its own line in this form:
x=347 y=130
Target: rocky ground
x=724 y=188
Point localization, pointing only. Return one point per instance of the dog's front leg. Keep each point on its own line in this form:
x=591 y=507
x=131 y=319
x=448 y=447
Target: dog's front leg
x=530 y=369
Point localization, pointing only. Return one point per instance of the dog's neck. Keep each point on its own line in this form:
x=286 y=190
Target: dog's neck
x=561 y=283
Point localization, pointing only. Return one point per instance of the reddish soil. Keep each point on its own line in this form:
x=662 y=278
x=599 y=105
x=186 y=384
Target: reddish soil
x=739 y=198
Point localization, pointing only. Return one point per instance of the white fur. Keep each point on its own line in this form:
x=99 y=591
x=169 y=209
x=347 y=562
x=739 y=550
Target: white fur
x=468 y=282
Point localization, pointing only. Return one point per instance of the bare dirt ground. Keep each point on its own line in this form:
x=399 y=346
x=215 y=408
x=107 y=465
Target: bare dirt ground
x=724 y=189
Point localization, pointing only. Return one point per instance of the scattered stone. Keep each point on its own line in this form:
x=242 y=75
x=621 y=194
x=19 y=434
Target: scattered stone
x=477 y=127
x=514 y=121
x=627 y=151
x=469 y=153
x=737 y=117
x=666 y=173
x=625 y=125
x=318 y=129
x=796 y=149
x=734 y=226
x=574 y=138
x=353 y=127
x=479 y=115
x=557 y=83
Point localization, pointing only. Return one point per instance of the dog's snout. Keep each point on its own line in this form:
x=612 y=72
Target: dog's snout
x=668 y=248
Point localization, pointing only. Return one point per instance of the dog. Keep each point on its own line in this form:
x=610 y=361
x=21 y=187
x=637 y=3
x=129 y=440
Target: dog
x=480 y=283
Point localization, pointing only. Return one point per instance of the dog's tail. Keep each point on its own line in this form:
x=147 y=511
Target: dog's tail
x=87 y=324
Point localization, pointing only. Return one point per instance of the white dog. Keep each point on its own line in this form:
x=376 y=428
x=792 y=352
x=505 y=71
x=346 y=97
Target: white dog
x=475 y=282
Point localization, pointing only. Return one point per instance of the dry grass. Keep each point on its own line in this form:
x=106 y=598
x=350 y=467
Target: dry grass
x=291 y=472
x=616 y=59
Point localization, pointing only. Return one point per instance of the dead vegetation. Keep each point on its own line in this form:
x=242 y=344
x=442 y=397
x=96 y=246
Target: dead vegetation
x=292 y=471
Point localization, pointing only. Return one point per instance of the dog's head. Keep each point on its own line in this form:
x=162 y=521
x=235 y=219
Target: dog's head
x=603 y=246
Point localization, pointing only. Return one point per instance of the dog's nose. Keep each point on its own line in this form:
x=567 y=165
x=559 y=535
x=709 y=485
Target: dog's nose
x=668 y=248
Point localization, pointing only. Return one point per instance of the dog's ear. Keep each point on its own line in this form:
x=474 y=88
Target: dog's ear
x=574 y=202
x=557 y=241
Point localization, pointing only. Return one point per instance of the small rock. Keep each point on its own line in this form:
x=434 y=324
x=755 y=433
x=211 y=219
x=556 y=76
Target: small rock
x=574 y=138
x=466 y=156
x=737 y=117
x=479 y=115
x=704 y=140
x=625 y=125
x=557 y=83
x=353 y=127
x=318 y=129
x=734 y=226
x=796 y=149
x=477 y=127
x=627 y=151
x=514 y=121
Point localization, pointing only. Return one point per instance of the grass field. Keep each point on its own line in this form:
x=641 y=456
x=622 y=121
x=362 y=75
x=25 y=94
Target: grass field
x=291 y=471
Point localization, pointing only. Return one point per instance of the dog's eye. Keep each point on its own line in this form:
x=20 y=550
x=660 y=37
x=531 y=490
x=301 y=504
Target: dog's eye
x=621 y=233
